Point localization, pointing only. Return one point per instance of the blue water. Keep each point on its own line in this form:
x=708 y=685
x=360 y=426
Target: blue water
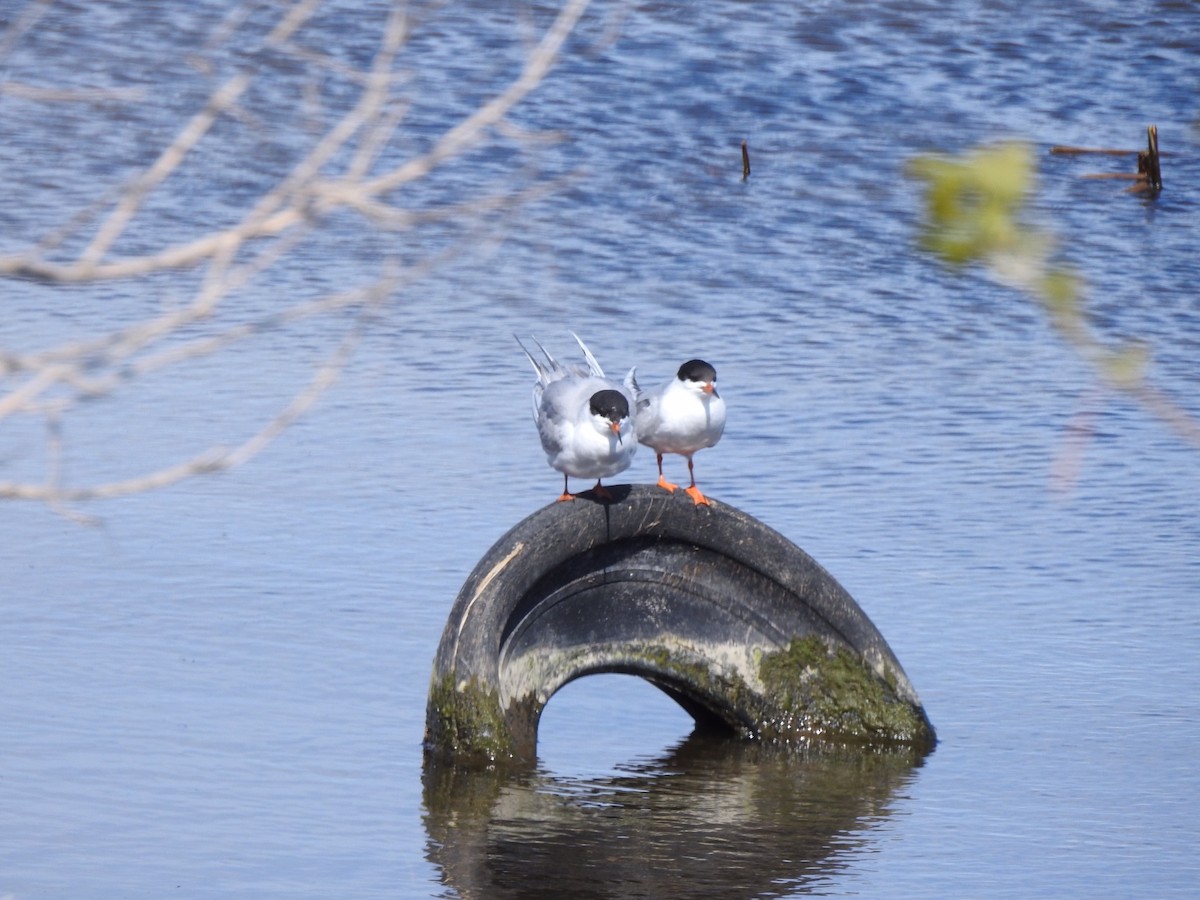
x=218 y=688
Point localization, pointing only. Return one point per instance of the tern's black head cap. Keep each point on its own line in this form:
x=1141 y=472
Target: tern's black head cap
x=697 y=370
x=610 y=404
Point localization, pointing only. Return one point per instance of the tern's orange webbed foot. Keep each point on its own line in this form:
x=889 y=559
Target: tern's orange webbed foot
x=601 y=491
x=698 y=498
x=666 y=485
x=565 y=496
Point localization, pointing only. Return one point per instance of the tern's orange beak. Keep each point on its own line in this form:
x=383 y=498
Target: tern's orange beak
x=709 y=387
x=616 y=429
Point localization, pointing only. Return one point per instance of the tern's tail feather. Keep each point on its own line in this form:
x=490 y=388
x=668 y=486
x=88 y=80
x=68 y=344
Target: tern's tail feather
x=591 y=360
x=543 y=369
x=631 y=382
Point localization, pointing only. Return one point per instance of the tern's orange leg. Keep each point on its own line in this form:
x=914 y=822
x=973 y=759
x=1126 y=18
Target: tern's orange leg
x=601 y=491
x=566 y=495
x=693 y=491
x=662 y=482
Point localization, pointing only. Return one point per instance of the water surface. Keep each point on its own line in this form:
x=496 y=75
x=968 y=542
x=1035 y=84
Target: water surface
x=218 y=689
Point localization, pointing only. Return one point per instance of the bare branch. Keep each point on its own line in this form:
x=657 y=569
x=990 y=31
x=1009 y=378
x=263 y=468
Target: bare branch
x=163 y=166
x=302 y=194
x=29 y=16
x=295 y=209
x=470 y=130
x=76 y=95
x=214 y=459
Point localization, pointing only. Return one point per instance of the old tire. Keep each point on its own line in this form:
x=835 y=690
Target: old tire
x=737 y=624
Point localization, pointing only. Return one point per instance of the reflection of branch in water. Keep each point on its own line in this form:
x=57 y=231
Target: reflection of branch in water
x=711 y=818
x=339 y=172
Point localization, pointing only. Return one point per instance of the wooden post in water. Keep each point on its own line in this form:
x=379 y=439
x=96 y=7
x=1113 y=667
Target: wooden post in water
x=1153 y=169
x=1148 y=176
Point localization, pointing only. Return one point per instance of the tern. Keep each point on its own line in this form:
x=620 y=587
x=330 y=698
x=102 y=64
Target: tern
x=583 y=418
x=682 y=416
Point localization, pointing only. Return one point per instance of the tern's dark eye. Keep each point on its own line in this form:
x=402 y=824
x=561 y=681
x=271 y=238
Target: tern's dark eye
x=697 y=370
x=612 y=405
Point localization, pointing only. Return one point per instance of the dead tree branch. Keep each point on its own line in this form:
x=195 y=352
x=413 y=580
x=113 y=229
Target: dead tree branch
x=341 y=172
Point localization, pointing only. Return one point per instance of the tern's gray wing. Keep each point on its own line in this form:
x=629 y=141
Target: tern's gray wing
x=562 y=401
x=639 y=400
x=647 y=417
